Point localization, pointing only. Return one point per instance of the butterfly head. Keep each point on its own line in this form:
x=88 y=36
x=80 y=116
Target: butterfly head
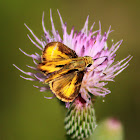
x=88 y=60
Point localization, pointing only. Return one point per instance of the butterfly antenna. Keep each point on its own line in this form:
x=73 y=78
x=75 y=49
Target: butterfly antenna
x=101 y=57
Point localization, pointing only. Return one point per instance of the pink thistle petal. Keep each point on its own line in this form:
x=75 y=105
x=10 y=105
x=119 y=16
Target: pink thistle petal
x=67 y=104
x=40 y=42
x=121 y=70
x=72 y=31
x=84 y=94
x=32 y=55
x=61 y=20
x=85 y=28
x=34 y=43
x=126 y=62
x=32 y=68
x=50 y=97
x=40 y=79
x=47 y=35
x=30 y=79
x=115 y=49
x=53 y=28
x=92 y=26
x=42 y=89
x=109 y=31
x=99 y=27
x=94 y=32
x=27 y=73
x=35 y=62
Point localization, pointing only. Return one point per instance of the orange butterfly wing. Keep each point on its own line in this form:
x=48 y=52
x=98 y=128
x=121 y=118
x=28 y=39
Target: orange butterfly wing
x=55 y=56
x=67 y=87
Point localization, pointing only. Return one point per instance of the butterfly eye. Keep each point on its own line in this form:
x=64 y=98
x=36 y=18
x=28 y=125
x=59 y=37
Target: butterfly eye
x=60 y=66
x=89 y=65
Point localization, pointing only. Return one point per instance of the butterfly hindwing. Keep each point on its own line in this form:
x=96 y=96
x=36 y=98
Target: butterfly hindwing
x=66 y=87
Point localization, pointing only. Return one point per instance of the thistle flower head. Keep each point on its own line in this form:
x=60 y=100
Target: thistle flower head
x=86 y=42
x=80 y=120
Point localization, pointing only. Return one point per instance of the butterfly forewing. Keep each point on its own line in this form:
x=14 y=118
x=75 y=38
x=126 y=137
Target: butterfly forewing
x=56 y=51
x=55 y=56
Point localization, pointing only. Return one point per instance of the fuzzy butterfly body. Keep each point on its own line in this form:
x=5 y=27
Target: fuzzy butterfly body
x=64 y=70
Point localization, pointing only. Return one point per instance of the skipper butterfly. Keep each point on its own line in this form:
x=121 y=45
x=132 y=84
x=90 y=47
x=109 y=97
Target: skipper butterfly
x=64 y=70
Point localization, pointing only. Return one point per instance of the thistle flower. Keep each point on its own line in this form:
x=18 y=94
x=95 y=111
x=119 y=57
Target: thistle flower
x=86 y=42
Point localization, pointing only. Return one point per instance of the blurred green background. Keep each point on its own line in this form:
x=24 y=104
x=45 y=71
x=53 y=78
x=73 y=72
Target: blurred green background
x=25 y=114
